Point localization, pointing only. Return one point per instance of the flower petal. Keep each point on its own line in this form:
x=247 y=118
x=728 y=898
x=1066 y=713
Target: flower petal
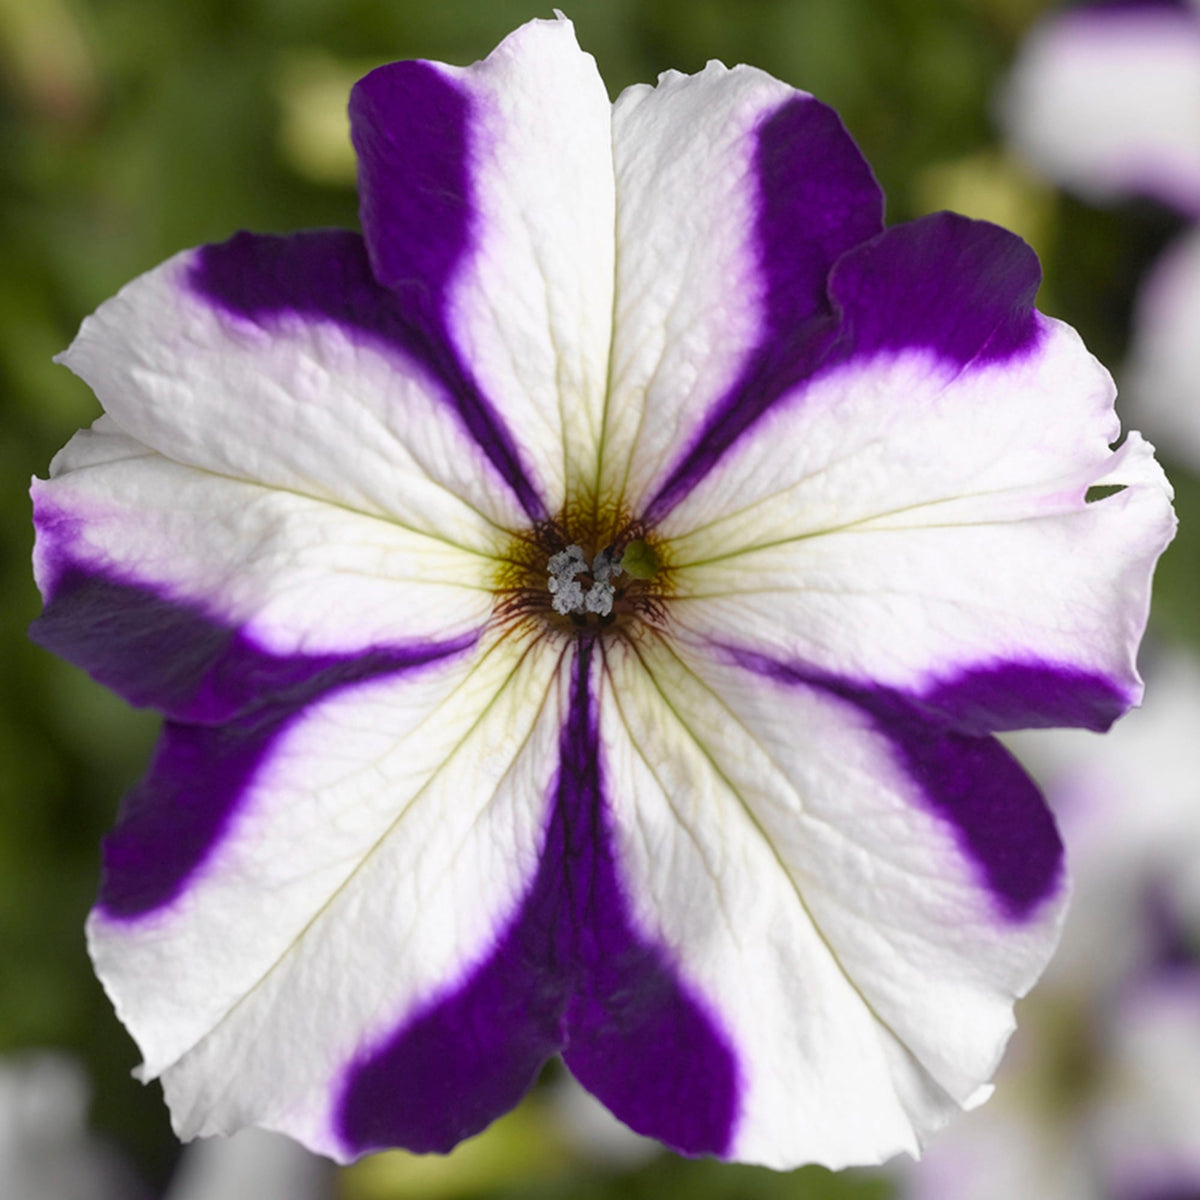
x=916 y=514
x=376 y=849
x=800 y=852
x=1106 y=99
x=487 y=204
x=135 y=552
x=570 y=973
x=735 y=196
x=281 y=361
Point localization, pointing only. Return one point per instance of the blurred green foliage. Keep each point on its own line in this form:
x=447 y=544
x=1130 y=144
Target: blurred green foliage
x=130 y=129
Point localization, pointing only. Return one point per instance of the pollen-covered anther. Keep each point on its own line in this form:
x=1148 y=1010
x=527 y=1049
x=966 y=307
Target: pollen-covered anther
x=568 y=595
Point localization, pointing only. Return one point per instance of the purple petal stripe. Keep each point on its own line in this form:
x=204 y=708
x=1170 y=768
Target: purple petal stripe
x=325 y=274
x=817 y=199
x=569 y=974
x=411 y=128
x=1025 y=695
x=412 y=131
x=961 y=288
x=968 y=778
x=230 y=700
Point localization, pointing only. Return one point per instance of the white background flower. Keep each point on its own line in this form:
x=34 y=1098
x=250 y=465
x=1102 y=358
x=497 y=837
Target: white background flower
x=1105 y=100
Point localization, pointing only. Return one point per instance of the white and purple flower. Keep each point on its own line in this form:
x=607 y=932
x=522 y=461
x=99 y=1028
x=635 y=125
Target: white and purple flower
x=581 y=607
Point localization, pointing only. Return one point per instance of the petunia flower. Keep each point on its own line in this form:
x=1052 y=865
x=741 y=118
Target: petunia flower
x=1105 y=99
x=580 y=607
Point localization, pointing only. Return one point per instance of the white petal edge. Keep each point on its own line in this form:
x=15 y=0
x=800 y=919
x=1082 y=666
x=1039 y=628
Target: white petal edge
x=899 y=487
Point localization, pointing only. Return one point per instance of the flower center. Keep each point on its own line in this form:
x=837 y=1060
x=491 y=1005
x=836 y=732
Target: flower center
x=567 y=584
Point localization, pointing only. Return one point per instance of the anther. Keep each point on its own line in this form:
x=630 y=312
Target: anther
x=568 y=595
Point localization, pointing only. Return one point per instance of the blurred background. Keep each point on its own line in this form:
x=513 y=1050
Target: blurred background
x=130 y=129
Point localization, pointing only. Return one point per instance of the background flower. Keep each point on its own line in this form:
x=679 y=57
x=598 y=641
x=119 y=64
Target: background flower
x=1105 y=99
x=46 y=1148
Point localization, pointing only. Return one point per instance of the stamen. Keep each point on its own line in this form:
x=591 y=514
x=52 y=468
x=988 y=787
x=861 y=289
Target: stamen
x=567 y=592
x=603 y=566
x=599 y=599
x=567 y=563
x=568 y=596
